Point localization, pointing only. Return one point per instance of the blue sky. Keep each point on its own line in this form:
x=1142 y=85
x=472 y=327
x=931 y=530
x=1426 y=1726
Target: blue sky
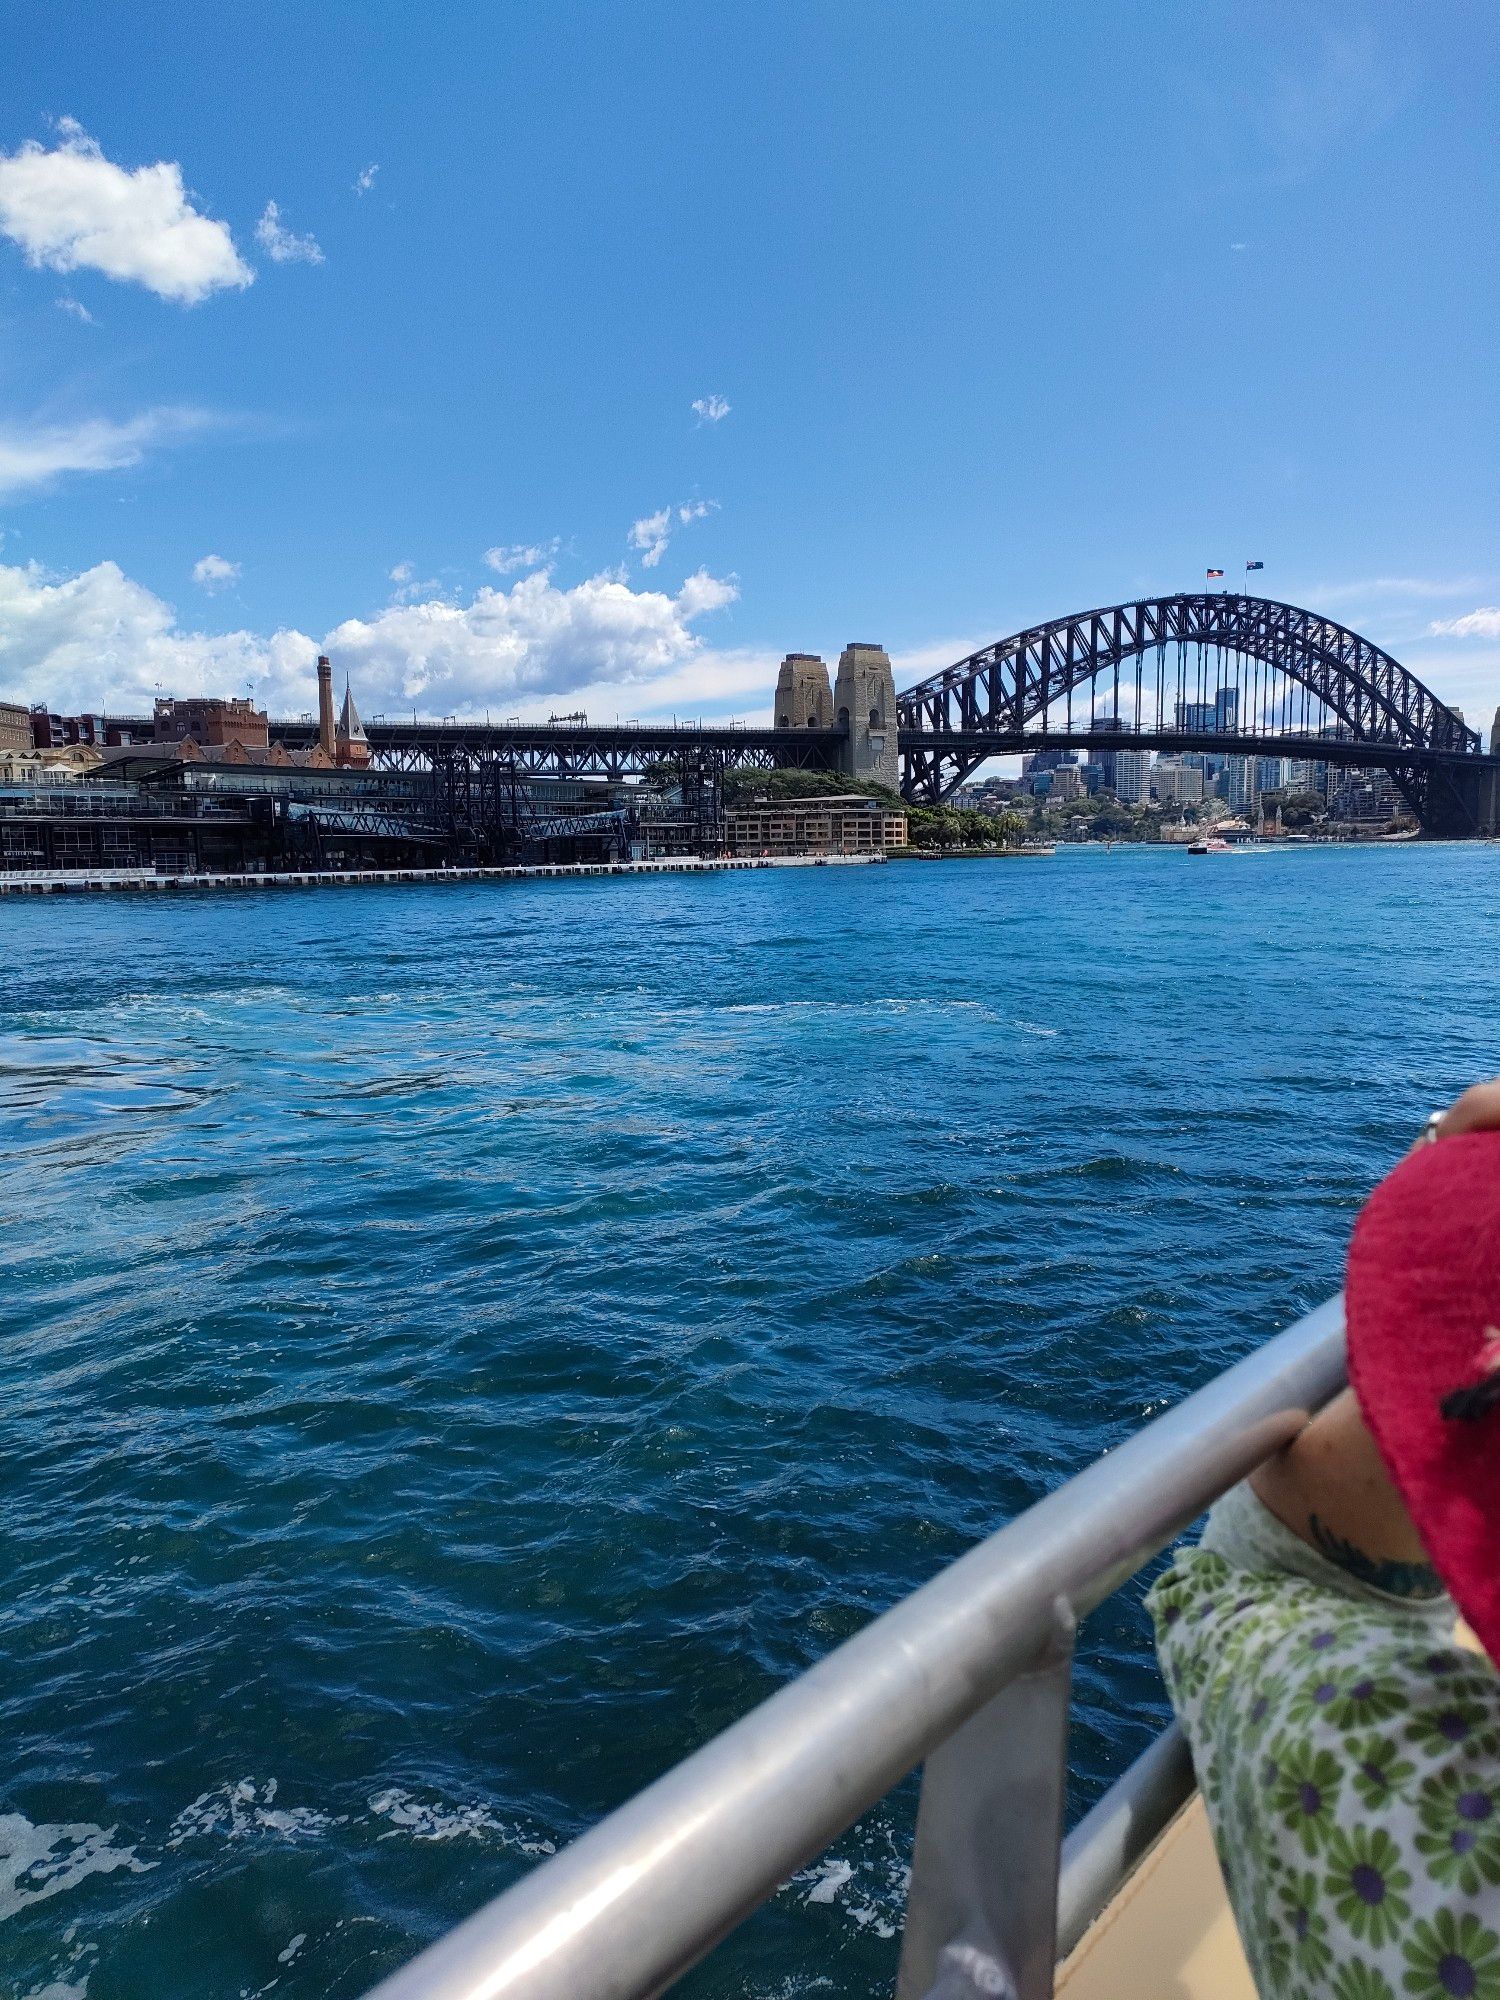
x=1014 y=311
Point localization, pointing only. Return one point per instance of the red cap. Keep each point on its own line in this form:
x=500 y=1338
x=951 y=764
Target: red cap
x=1423 y=1312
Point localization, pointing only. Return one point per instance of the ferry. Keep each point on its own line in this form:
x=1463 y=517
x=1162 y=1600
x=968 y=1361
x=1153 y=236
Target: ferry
x=1211 y=845
x=969 y=1678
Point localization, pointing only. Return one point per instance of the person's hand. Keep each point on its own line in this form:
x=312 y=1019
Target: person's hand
x=1478 y=1110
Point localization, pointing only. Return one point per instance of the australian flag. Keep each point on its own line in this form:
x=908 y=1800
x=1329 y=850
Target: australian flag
x=1255 y=565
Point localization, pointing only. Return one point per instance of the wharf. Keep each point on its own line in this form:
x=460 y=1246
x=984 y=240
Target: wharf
x=45 y=882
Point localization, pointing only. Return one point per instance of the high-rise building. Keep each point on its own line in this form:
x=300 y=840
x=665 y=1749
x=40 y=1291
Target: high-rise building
x=1367 y=795
x=1133 y=776
x=1236 y=782
x=1199 y=717
x=1206 y=718
x=1065 y=782
x=1269 y=775
x=1105 y=759
x=1176 y=783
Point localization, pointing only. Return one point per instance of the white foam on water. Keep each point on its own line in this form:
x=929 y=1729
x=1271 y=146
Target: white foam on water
x=836 y=1875
x=873 y=1910
x=428 y=1819
x=41 y=1861
x=293 y=1947
x=243 y=1810
x=869 y=1916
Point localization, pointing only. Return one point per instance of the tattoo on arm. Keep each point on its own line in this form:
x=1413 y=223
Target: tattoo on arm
x=1396 y=1579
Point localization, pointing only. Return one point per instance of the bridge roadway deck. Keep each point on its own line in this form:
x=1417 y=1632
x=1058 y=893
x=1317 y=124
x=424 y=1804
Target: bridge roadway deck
x=613 y=750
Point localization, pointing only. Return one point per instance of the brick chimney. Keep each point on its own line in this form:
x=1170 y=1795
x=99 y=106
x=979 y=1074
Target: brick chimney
x=325 y=703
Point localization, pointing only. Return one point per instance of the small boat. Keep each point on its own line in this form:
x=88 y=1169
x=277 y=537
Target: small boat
x=1213 y=845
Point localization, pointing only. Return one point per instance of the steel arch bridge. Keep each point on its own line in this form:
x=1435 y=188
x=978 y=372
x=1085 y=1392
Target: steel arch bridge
x=1206 y=671
x=1212 y=672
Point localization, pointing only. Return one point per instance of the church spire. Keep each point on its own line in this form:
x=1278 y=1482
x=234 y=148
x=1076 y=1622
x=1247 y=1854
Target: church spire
x=352 y=746
x=351 y=729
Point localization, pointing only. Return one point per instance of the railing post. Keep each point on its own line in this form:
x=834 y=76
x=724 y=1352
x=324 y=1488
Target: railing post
x=981 y=1912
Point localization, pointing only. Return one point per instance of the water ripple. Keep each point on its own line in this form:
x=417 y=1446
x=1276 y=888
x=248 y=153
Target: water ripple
x=461 y=1348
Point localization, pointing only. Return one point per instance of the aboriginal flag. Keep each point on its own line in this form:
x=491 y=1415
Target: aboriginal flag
x=1255 y=565
x=1216 y=572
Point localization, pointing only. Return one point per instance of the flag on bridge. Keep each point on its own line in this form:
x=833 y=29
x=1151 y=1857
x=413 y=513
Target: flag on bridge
x=1216 y=572
x=1255 y=565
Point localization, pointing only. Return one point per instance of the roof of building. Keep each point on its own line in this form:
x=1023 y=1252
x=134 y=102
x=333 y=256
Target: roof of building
x=172 y=761
x=817 y=799
x=350 y=726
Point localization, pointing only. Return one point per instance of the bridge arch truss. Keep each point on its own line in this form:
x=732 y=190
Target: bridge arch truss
x=1294 y=675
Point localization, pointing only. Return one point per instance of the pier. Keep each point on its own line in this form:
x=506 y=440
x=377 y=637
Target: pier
x=97 y=880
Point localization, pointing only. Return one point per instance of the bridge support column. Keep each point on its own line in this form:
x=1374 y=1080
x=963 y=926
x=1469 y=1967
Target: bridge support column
x=864 y=699
x=804 y=698
x=1487 y=803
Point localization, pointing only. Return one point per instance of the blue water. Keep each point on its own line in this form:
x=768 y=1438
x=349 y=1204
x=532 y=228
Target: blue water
x=462 y=1346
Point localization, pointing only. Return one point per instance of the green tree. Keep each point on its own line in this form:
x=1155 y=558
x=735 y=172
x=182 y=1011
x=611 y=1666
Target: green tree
x=1300 y=808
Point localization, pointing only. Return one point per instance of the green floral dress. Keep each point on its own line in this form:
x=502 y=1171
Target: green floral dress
x=1349 y=1759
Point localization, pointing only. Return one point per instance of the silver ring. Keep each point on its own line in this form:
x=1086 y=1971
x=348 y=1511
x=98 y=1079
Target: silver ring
x=1430 y=1131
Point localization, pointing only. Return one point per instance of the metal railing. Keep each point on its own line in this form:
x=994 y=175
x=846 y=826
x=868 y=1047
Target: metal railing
x=971 y=1674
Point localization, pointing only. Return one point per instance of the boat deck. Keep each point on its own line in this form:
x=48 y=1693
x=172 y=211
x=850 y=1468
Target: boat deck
x=1169 y=1933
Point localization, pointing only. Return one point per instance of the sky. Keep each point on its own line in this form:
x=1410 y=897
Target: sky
x=535 y=358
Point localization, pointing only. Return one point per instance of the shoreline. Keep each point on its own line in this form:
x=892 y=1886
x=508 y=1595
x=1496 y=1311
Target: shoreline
x=101 y=881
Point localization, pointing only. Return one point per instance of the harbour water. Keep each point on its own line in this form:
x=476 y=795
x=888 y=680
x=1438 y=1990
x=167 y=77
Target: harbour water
x=463 y=1346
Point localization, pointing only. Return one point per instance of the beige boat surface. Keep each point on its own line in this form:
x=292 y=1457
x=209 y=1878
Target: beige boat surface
x=1169 y=1934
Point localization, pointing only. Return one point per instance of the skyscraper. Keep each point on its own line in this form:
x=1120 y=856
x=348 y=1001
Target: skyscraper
x=1236 y=782
x=1133 y=776
x=1105 y=759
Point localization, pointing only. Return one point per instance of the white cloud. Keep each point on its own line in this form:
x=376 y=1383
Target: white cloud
x=215 y=572
x=365 y=179
x=409 y=586
x=69 y=208
x=84 y=642
x=650 y=535
x=283 y=245
x=1481 y=624
x=101 y=640
x=531 y=639
x=710 y=409
x=701 y=592
x=521 y=555
x=32 y=454
x=76 y=309
x=1239 y=246
x=652 y=532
